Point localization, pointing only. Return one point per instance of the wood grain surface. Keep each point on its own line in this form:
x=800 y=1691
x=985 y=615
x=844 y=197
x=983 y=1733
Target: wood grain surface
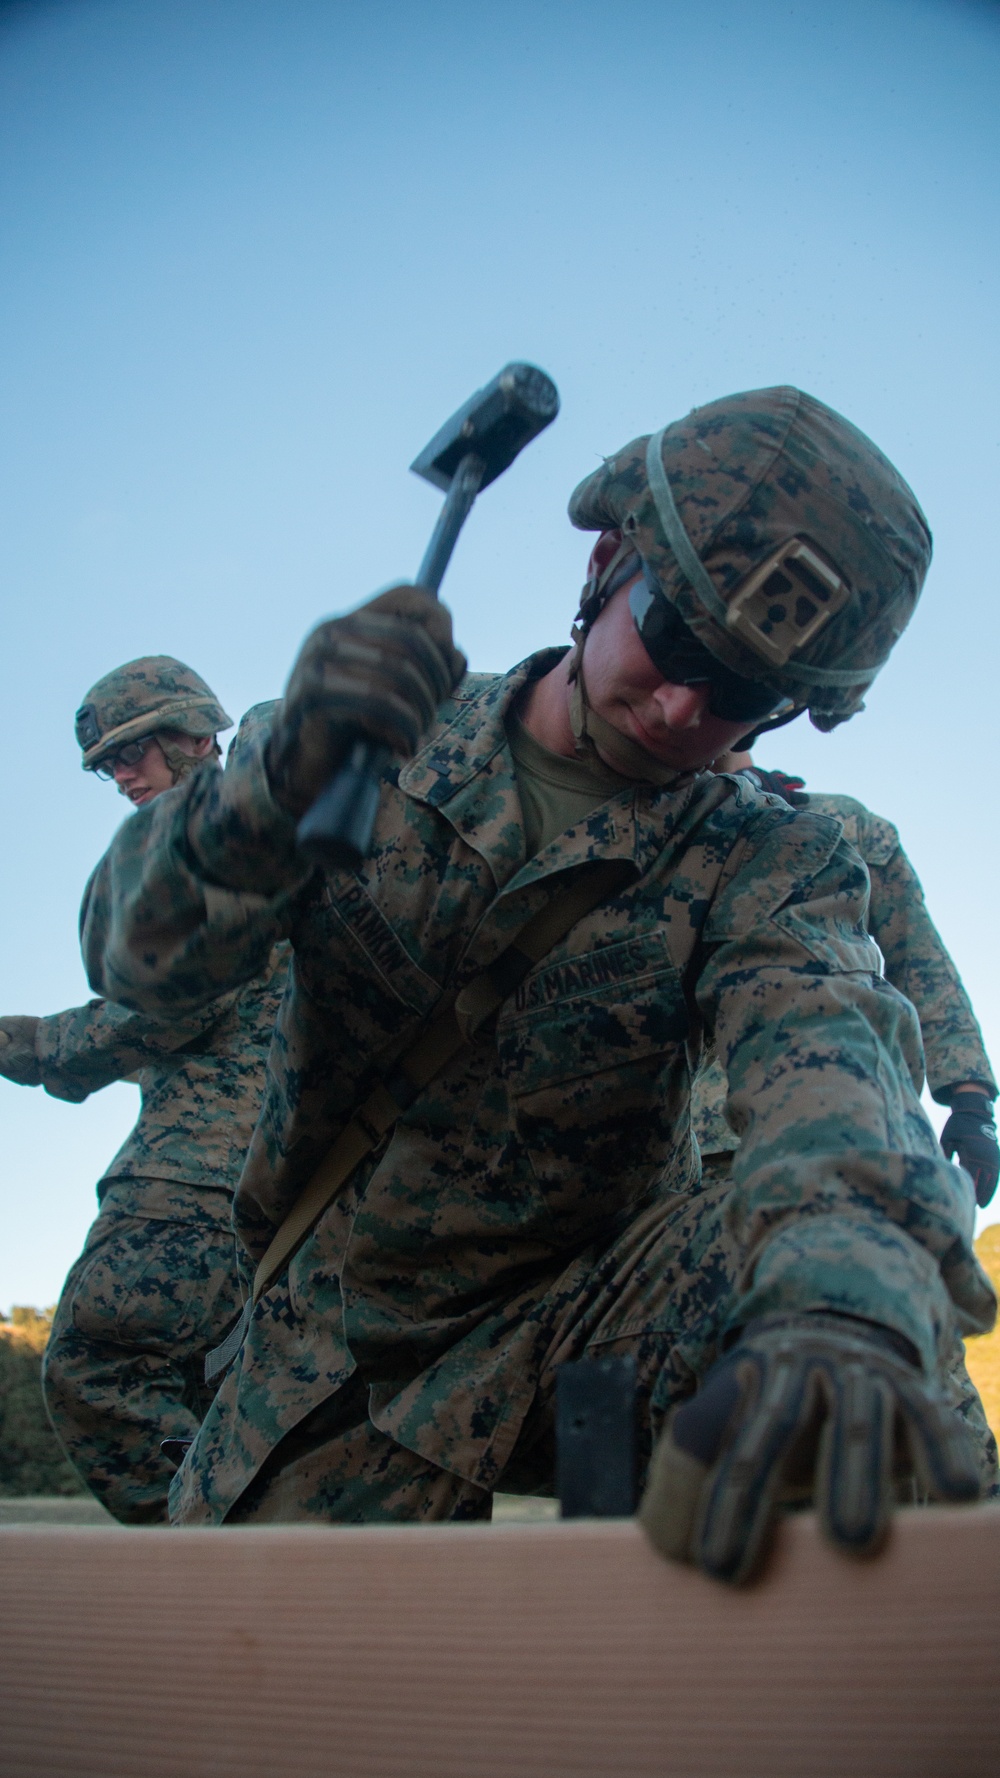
x=508 y=1651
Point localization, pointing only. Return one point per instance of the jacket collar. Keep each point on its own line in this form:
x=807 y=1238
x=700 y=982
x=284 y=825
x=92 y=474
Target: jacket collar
x=466 y=771
x=466 y=745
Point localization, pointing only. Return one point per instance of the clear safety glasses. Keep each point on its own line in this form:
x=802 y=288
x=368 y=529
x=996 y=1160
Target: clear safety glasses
x=129 y=755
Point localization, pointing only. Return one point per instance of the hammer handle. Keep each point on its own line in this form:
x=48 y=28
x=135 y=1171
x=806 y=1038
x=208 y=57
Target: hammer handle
x=337 y=831
x=458 y=501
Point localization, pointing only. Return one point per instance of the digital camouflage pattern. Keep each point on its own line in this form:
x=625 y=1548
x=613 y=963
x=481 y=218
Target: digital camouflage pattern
x=917 y=962
x=380 y=671
x=655 y=1293
x=542 y=1192
x=143 y=696
x=157 y=1285
x=201 y=1075
x=747 y=474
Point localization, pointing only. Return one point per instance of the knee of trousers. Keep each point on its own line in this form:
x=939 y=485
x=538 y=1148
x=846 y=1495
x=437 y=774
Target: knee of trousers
x=156 y=1286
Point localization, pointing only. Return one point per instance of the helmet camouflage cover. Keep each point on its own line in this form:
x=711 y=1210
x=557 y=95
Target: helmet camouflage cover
x=712 y=497
x=142 y=698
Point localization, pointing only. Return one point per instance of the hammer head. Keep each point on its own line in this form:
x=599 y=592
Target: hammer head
x=495 y=424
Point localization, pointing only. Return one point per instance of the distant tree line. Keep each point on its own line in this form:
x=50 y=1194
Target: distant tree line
x=31 y=1461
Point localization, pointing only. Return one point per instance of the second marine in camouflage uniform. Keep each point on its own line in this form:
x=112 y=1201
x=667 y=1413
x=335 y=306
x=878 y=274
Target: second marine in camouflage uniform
x=917 y=962
x=156 y=1284
x=539 y=1200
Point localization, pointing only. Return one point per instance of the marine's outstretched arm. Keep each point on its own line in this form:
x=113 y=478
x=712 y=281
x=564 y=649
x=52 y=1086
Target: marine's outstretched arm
x=855 y=1234
x=77 y=1052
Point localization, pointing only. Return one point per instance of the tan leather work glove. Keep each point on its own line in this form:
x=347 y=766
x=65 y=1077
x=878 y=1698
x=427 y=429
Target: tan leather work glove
x=820 y=1408
x=380 y=672
x=18 y=1060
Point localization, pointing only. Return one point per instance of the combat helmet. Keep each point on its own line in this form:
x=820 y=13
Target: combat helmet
x=787 y=543
x=144 y=697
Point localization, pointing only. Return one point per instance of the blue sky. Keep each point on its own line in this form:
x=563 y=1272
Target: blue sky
x=256 y=251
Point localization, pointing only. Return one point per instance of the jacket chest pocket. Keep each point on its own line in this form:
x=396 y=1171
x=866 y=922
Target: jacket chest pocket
x=593 y=1058
x=349 y=958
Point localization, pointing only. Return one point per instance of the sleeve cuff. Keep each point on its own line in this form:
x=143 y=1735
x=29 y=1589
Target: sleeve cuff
x=868 y=1267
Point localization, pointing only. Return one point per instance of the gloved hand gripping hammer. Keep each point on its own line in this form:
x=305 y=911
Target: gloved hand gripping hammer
x=476 y=445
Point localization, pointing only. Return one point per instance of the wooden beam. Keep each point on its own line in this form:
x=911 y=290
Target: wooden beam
x=509 y=1651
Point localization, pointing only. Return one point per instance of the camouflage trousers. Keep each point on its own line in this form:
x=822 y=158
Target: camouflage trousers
x=655 y=1293
x=154 y=1289
x=658 y=1292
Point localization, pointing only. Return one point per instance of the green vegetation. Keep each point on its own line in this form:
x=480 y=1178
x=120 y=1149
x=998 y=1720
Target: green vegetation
x=31 y=1461
x=983 y=1355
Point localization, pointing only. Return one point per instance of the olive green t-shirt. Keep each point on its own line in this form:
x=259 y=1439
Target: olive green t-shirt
x=555 y=792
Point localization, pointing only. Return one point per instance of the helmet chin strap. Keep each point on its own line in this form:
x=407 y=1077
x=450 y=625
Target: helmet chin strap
x=596 y=738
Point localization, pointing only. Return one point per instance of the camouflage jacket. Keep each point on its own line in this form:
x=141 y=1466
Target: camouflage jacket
x=916 y=962
x=201 y=1075
x=741 y=917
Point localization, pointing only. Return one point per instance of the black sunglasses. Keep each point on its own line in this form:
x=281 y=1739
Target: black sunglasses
x=676 y=652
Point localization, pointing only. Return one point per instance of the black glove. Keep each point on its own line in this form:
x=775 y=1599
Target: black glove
x=805 y=1408
x=970 y=1133
x=380 y=672
x=18 y=1060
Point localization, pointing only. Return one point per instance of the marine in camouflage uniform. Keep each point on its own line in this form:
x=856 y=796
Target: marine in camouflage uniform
x=917 y=962
x=156 y=1284
x=540 y=1200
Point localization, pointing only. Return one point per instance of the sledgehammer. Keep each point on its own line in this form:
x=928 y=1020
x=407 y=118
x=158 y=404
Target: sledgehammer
x=475 y=446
